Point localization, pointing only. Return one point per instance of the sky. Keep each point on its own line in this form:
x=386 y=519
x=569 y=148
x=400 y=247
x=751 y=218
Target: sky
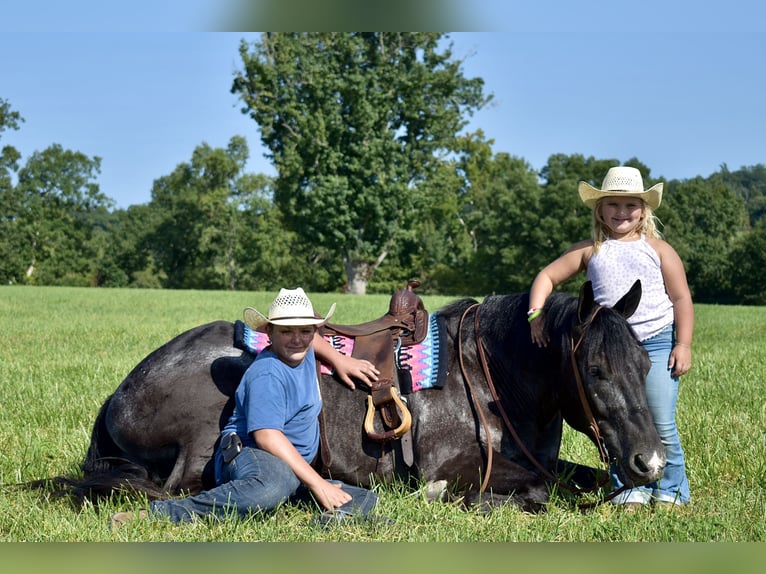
x=141 y=84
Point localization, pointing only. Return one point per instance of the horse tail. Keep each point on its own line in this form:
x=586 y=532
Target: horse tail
x=106 y=470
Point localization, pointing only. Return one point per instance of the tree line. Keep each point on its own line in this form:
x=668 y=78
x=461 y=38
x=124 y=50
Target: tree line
x=377 y=183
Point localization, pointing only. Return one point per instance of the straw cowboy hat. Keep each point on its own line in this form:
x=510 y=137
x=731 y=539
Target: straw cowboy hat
x=621 y=181
x=291 y=307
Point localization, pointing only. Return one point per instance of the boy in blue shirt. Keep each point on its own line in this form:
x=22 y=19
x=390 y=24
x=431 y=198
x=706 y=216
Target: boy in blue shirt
x=272 y=437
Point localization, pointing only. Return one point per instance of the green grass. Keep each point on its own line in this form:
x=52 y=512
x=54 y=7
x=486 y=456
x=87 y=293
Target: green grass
x=64 y=350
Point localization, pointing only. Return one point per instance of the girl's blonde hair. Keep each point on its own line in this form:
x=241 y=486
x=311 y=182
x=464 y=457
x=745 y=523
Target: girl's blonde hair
x=648 y=226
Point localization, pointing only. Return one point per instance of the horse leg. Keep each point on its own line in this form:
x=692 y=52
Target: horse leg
x=193 y=470
x=512 y=482
x=173 y=483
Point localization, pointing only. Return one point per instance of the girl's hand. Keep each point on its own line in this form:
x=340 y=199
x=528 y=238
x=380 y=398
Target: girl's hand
x=680 y=360
x=537 y=329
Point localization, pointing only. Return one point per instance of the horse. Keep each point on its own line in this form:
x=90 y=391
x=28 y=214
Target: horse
x=494 y=427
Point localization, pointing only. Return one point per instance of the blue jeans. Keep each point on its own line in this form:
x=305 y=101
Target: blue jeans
x=661 y=396
x=254 y=481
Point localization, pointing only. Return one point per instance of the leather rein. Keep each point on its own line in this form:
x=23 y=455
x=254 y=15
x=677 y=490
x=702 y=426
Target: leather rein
x=592 y=424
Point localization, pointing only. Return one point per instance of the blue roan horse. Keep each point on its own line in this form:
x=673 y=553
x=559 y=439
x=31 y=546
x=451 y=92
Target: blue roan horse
x=156 y=434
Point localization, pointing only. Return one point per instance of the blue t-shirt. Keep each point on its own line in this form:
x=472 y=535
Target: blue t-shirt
x=274 y=395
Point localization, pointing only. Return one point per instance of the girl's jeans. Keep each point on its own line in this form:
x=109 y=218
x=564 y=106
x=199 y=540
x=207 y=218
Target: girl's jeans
x=254 y=481
x=661 y=395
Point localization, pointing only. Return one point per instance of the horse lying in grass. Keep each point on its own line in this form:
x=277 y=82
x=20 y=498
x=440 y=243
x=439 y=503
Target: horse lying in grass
x=493 y=424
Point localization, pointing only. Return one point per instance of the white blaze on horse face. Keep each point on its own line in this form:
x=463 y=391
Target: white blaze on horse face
x=656 y=463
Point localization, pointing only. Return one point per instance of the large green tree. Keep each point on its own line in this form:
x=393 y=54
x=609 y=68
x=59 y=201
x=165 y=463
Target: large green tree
x=9 y=223
x=9 y=156
x=214 y=226
x=701 y=219
x=749 y=183
x=56 y=209
x=747 y=266
x=197 y=206
x=354 y=122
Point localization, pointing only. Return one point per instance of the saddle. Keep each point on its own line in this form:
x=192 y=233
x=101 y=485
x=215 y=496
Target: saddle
x=406 y=323
x=407 y=319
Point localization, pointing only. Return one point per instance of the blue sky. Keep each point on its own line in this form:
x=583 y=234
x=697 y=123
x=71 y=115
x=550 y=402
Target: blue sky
x=141 y=84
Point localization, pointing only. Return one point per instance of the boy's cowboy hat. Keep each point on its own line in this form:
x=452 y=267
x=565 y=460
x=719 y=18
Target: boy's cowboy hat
x=621 y=181
x=291 y=307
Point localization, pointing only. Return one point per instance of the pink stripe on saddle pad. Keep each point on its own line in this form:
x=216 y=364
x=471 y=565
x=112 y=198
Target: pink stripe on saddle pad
x=422 y=361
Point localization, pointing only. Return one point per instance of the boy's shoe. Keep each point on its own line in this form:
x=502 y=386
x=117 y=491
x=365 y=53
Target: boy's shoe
x=119 y=519
x=632 y=506
x=667 y=504
x=330 y=518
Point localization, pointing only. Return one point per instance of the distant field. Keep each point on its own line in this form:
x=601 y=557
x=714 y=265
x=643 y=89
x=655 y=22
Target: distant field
x=64 y=350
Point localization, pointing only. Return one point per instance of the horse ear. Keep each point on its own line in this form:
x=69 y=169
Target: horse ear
x=629 y=302
x=586 y=303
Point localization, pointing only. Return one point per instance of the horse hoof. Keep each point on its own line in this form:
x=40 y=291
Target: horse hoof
x=436 y=490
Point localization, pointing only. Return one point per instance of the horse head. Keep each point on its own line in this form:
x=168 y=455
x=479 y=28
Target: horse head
x=607 y=400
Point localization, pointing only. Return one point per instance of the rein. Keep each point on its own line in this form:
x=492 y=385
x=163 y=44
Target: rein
x=592 y=425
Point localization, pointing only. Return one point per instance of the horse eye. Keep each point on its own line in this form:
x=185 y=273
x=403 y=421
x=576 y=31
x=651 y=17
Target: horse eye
x=595 y=372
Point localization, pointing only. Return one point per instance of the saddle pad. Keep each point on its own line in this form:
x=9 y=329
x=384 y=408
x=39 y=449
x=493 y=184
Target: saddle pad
x=254 y=341
x=425 y=363
x=420 y=367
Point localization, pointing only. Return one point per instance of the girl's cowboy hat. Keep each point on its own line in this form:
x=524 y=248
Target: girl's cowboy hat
x=621 y=181
x=291 y=307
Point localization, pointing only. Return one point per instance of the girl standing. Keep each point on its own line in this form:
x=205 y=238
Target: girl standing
x=626 y=246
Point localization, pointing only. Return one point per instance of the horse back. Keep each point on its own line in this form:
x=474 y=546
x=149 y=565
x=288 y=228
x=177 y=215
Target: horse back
x=173 y=404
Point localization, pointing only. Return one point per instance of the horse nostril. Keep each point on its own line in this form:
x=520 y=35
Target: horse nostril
x=638 y=462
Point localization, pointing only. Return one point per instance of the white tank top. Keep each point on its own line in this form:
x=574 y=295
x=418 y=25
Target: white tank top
x=615 y=268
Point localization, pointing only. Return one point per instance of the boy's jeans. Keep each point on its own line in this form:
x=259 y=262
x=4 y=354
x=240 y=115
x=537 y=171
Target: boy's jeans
x=254 y=481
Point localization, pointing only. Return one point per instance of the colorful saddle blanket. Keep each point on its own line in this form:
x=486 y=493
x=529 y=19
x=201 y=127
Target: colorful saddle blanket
x=421 y=366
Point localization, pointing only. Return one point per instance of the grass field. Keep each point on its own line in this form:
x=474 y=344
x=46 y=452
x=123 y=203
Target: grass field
x=64 y=350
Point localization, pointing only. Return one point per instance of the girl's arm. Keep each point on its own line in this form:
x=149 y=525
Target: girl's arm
x=677 y=288
x=569 y=264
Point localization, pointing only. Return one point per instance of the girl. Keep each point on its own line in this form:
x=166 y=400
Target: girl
x=626 y=246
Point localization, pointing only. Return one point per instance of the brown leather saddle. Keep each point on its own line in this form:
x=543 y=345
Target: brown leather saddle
x=405 y=324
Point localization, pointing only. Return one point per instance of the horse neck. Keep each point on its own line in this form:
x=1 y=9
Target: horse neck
x=564 y=337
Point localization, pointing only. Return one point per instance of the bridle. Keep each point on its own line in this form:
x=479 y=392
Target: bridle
x=592 y=424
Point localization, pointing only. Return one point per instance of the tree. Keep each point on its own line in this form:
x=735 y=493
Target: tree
x=128 y=260
x=749 y=183
x=193 y=240
x=215 y=227
x=353 y=123
x=9 y=158
x=747 y=265
x=55 y=209
x=500 y=210
x=701 y=220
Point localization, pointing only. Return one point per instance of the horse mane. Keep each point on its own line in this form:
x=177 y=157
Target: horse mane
x=608 y=329
x=457 y=308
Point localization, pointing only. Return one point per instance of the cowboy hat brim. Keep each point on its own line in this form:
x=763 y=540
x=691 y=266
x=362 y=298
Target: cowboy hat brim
x=257 y=320
x=590 y=195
